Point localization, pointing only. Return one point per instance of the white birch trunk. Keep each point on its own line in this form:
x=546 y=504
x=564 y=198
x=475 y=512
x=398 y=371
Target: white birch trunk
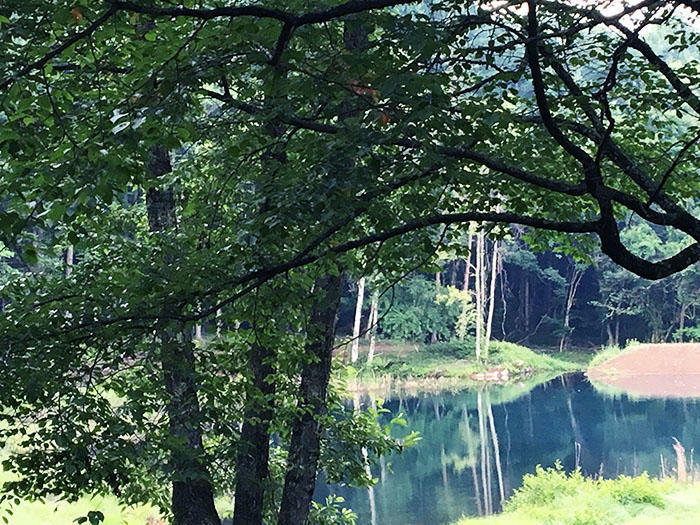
x=68 y=261
x=479 y=292
x=355 y=352
x=491 y=298
x=218 y=322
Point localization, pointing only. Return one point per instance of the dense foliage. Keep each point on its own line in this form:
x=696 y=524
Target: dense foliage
x=164 y=167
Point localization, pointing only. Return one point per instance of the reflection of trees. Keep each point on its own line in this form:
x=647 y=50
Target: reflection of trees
x=476 y=446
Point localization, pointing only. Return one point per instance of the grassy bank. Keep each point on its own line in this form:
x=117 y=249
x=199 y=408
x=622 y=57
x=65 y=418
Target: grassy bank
x=552 y=497
x=446 y=365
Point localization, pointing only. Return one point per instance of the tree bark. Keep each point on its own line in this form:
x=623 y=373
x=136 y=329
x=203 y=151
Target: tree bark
x=304 y=449
x=252 y=471
x=355 y=353
x=192 y=492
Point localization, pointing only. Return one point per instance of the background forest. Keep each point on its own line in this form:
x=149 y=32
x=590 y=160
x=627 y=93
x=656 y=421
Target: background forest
x=542 y=299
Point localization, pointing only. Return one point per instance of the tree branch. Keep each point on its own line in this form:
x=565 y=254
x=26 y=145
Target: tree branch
x=37 y=64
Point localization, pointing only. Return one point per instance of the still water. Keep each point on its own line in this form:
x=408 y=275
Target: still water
x=477 y=445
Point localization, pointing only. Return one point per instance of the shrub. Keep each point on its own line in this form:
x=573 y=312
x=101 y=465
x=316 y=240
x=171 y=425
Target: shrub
x=641 y=489
x=465 y=349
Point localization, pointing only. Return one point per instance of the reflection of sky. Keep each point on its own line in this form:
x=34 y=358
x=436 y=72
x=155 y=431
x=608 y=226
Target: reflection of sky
x=434 y=482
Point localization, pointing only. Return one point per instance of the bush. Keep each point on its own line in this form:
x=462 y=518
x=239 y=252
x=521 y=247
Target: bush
x=465 y=349
x=545 y=486
x=553 y=496
x=628 y=490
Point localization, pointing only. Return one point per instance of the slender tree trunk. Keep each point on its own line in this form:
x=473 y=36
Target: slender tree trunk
x=218 y=322
x=574 y=281
x=467 y=262
x=373 y=319
x=304 y=448
x=68 y=261
x=681 y=320
x=526 y=302
x=453 y=272
x=192 y=492
x=254 y=448
x=479 y=292
x=198 y=332
x=611 y=337
x=355 y=353
x=438 y=283
x=491 y=298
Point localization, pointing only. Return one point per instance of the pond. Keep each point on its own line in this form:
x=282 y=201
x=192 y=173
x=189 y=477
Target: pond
x=477 y=445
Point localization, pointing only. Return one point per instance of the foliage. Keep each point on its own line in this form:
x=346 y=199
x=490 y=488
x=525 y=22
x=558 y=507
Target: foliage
x=418 y=307
x=552 y=496
x=332 y=513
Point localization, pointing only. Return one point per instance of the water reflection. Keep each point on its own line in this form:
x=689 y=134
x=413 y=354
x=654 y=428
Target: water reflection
x=476 y=446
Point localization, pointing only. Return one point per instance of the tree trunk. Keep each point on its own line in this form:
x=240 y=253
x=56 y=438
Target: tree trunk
x=304 y=449
x=192 y=496
x=491 y=298
x=467 y=262
x=68 y=261
x=355 y=353
x=218 y=322
x=192 y=492
x=681 y=320
x=574 y=281
x=252 y=471
x=526 y=305
x=373 y=319
x=479 y=293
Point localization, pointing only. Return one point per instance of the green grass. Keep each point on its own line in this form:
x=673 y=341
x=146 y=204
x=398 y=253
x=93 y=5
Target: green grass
x=64 y=513
x=57 y=512
x=552 y=497
x=454 y=364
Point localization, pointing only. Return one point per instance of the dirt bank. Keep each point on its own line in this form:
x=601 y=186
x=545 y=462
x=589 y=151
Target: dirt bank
x=654 y=370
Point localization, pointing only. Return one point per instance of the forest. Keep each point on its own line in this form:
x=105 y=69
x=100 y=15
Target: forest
x=541 y=299
x=204 y=205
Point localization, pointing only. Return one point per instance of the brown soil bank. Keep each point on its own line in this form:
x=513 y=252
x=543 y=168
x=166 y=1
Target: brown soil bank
x=654 y=370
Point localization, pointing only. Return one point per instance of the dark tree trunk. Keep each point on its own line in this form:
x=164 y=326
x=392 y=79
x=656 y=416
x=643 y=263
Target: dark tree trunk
x=193 y=496
x=252 y=470
x=304 y=449
x=192 y=493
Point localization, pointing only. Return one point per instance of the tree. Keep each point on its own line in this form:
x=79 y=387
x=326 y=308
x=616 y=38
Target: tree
x=446 y=115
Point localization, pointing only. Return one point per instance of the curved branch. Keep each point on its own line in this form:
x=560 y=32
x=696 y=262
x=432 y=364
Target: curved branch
x=286 y=17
